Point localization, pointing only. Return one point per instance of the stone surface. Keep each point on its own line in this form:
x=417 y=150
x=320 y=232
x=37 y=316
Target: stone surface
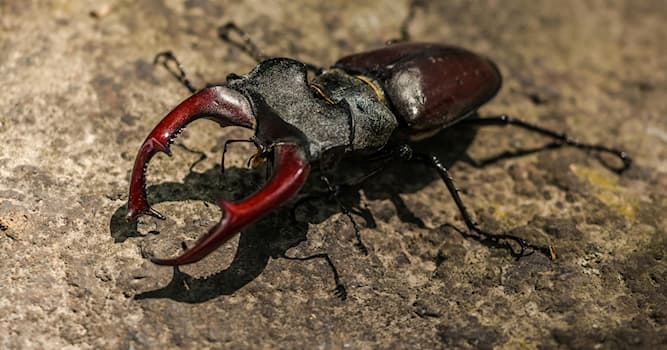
x=80 y=93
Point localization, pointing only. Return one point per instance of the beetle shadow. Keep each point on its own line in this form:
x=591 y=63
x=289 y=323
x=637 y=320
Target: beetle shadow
x=401 y=177
x=269 y=237
x=273 y=235
x=449 y=146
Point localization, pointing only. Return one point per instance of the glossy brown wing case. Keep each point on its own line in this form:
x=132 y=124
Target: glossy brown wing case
x=429 y=86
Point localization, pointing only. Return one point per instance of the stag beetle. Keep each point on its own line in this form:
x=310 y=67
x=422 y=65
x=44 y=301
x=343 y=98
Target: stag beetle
x=372 y=104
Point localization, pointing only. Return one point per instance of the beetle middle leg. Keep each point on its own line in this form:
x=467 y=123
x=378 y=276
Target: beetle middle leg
x=432 y=161
x=560 y=137
x=335 y=191
x=405 y=25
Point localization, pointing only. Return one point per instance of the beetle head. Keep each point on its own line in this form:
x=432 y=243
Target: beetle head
x=227 y=107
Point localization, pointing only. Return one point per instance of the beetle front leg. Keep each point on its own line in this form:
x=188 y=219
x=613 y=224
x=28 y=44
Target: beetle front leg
x=246 y=44
x=335 y=191
x=340 y=291
x=503 y=120
x=164 y=58
x=224 y=150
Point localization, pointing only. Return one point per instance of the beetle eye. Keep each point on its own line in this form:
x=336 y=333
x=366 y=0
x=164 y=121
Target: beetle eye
x=233 y=76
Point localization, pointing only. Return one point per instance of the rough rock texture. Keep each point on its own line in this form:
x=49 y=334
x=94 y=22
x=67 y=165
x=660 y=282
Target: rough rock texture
x=80 y=93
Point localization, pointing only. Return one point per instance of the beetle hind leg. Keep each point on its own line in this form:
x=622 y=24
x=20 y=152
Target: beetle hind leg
x=560 y=137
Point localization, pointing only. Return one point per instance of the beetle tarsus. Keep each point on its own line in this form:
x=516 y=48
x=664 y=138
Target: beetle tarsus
x=340 y=292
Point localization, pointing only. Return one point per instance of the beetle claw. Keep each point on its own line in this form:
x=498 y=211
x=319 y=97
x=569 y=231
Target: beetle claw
x=219 y=103
x=133 y=213
x=291 y=171
x=340 y=291
x=226 y=107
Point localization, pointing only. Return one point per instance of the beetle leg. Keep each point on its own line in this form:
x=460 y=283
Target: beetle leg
x=559 y=136
x=340 y=291
x=291 y=171
x=509 y=154
x=433 y=162
x=335 y=191
x=247 y=45
x=405 y=31
x=178 y=72
x=220 y=104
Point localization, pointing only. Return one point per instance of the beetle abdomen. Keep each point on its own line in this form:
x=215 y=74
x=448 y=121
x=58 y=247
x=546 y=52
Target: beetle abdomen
x=429 y=86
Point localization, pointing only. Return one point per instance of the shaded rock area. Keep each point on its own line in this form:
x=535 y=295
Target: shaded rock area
x=80 y=93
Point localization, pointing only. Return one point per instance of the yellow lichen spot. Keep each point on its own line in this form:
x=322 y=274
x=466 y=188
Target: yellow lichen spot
x=602 y=180
x=607 y=191
x=498 y=213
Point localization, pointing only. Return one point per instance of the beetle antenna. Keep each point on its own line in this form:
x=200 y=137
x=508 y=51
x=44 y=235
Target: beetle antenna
x=202 y=155
x=224 y=150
